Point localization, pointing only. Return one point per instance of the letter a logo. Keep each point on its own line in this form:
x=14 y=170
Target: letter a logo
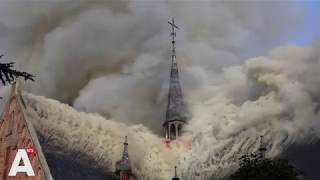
x=26 y=167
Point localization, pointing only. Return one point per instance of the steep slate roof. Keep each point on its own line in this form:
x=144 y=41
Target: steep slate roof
x=176 y=109
x=17 y=132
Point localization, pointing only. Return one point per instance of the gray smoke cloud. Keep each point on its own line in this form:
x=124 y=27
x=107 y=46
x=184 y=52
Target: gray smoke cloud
x=113 y=58
x=84 y=52
x=283 y=109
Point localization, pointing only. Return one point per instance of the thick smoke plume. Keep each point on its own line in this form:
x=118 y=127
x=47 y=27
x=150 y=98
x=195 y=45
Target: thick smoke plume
x=113 y=58
x=99 y=138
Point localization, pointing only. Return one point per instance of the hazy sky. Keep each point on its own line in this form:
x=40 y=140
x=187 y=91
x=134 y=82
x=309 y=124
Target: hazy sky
x=312 y=26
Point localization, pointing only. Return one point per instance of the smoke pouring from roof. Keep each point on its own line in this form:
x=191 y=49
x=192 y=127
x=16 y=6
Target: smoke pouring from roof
x=112 y=58
x=98 y=138
x=109 y=57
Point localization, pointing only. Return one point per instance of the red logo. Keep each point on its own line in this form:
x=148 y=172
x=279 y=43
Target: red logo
x=31 y=151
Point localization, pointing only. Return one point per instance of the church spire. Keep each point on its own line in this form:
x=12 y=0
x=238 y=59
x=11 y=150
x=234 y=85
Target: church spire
x=125 y=154
x=176 y=110
x=123 y=168
x=262 y=149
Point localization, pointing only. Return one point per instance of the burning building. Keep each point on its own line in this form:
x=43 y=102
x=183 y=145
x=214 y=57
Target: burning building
x=176 y=115
x=123 y=167
x=176 y=110
x=17 y=132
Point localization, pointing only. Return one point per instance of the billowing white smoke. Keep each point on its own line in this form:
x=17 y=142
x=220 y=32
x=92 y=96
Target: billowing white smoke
x=281 y=105
x=99 y=138
x=113 y=58
x=283 y=109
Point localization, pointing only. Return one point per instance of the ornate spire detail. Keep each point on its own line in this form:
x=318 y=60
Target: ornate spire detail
x=176 y=109
x=124 y=163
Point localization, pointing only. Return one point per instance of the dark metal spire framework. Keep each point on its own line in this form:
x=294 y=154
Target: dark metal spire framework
x=262 y=149
x=124 y=163
x=176 y=109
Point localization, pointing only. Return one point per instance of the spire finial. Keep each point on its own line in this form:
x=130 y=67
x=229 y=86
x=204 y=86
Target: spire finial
x=175 y=172
x=125 y=140
x=16 y=87
x=262 y=149
x=173 y=35
x=125 y=149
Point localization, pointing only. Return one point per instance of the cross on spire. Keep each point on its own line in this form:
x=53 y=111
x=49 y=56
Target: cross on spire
x=173 y=35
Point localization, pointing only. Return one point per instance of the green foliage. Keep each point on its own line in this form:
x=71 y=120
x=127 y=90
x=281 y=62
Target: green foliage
x=253 y=167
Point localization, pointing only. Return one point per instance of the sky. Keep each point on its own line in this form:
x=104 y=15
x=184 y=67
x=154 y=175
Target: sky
x=311 y=29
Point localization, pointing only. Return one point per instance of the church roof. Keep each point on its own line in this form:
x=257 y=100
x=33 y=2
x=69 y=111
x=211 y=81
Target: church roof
x=176 y=109
x=17 y=132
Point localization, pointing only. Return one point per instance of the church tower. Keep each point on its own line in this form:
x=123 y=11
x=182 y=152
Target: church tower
x=176 y=111
x=123 y=168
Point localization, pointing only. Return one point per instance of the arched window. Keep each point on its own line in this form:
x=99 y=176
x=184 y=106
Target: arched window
x=172 y=132
x=179 y=129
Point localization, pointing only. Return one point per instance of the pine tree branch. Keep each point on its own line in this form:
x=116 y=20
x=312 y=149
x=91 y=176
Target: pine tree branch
x=8 y=74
